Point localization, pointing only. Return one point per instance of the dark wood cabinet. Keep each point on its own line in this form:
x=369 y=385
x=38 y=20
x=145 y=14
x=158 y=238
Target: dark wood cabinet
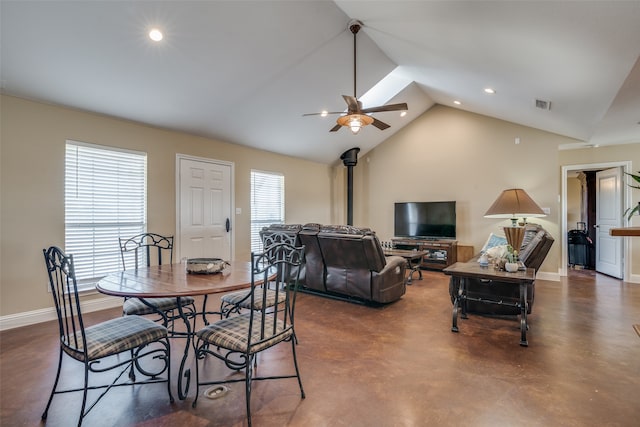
x=439 y=253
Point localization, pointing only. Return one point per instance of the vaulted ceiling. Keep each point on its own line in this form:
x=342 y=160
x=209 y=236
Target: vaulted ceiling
x=246 y=71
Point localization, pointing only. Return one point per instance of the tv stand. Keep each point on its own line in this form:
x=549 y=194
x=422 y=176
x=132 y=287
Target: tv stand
x=440 y=254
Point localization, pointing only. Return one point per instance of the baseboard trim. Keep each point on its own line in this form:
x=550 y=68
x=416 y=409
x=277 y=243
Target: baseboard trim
x=543 y=275
x=46 y=314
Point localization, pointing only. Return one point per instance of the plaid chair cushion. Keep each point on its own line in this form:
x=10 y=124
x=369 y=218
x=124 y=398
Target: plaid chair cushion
x=233 y=333
x=133 y=306
x=242 y=299
x=115 y=336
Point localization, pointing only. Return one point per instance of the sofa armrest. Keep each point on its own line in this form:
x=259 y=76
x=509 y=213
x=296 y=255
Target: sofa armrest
x=389 y=284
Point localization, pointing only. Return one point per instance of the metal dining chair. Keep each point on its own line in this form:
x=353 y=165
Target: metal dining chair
x=234 y=302
x=237 y=340
x=130 y=343
x=137 y=251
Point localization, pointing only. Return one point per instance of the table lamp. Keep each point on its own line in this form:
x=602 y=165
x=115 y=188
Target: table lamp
x=514 y=203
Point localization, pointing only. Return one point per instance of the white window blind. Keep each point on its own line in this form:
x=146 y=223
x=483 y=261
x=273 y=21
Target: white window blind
x=105 y=198
x=267 y=204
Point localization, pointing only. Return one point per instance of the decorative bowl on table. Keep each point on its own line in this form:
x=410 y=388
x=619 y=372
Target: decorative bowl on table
x=511 y=267
x=205 y=265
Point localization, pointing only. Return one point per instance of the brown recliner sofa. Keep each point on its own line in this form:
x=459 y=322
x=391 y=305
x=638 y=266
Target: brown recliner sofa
x=346 y=262
x=535 y=246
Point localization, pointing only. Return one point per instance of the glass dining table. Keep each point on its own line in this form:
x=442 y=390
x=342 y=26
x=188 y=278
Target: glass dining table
x=173 y=280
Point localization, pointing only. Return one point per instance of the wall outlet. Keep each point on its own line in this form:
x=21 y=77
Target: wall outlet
x=546 y=211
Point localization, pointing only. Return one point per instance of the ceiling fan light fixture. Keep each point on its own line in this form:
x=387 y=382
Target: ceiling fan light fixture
x=355 y=122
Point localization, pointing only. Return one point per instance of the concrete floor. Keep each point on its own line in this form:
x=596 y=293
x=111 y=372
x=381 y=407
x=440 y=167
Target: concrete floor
x=399 y=365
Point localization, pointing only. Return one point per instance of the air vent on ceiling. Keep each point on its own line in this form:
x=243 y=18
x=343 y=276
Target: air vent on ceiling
x=543 y=105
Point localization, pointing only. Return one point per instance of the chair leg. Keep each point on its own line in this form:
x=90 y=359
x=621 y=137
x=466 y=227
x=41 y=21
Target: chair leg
x=84 y=392
x=247 y=382
x=53 y=390
x=295 y=363
x=168 y=362
x=132 y=372
x=197 y=363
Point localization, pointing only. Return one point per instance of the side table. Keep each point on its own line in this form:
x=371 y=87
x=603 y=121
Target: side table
x=460 y=271
x=414 y=259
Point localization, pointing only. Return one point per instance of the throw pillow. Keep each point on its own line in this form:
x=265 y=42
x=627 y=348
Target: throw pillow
x=493 y=241
x=496 y=252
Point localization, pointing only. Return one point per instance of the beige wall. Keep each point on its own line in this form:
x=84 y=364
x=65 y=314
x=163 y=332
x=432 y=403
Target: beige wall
x=32 y=141
x=449 y=154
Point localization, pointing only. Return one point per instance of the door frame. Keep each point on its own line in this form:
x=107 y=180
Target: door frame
x=626 y=200
x=231 y=166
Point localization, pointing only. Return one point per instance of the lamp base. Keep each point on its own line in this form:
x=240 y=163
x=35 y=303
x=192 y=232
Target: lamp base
x=515 y=236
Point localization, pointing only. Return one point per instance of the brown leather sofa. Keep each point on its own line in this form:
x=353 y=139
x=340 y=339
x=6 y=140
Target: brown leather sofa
x=346 y=262
x=535 y=247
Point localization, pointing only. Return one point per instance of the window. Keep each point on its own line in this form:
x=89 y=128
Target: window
x=105 y=198
x=267 y=203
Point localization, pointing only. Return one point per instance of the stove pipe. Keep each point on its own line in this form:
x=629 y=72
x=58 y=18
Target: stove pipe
x=350 y=159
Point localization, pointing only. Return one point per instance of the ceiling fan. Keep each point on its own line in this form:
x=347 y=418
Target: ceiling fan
x=357 y=117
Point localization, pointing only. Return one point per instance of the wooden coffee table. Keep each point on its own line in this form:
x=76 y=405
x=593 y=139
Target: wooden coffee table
x=460 y=271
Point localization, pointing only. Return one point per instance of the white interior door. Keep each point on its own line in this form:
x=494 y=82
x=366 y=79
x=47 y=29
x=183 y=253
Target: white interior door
x=609 y=215
x=204 y=208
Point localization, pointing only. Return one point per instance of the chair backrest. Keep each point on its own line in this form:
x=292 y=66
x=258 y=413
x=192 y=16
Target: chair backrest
x=271 y=237
x=140 y=246
x=535 y=246
x=280 y=265
x=62 y=280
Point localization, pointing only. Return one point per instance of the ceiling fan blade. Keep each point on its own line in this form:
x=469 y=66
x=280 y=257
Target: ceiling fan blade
x=335 y=128
x=352 y=104
x=320 y=114
x=390 y=107
x=380 y=125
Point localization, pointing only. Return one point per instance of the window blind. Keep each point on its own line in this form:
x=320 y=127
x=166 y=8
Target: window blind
x=267 y=203
x=105 y=198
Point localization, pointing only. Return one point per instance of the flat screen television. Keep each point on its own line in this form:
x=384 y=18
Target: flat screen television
x=427 y=220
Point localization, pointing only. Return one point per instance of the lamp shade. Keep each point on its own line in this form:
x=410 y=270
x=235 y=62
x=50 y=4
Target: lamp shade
x=514 y=203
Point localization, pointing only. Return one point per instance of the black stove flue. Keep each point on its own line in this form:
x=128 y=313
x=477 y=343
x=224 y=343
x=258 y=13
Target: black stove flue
x=350 y=159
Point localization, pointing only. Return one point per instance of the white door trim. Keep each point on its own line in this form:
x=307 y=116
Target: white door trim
x=231 y=165
x=626 y=197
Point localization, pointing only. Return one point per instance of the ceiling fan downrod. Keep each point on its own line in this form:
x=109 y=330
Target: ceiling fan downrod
x=354 y=27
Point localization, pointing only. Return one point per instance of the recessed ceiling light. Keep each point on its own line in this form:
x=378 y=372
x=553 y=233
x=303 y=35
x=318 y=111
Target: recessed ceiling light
x=324 y=113
x=489 y=90
x=404 y=113
x=457 y=102
x=155 y=35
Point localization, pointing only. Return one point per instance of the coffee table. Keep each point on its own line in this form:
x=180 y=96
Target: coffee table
x=460 y=271
x=414 y=259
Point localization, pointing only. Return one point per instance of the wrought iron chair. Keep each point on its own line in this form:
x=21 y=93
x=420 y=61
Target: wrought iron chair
x=124 y=343
x=237 y=340
x=234 y=302
x=140 y=246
